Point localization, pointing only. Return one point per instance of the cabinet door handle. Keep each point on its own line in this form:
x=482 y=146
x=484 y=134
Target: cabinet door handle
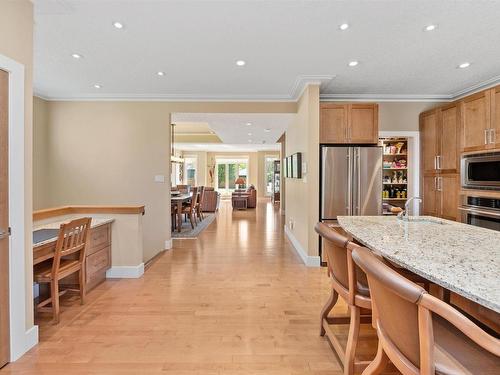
x=492 y=136
x=435 y=183
x=486 y=136
x=435 y=162
x=440 y=184
x=438 y=161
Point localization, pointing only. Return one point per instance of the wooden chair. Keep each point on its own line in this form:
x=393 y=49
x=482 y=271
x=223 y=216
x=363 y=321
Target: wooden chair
x=199 y=204
x=419 y=333
x=69 y=258
x=348 y=282
x=184 y=189
x=190 y=210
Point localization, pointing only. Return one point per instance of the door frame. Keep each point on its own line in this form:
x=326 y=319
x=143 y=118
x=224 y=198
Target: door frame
x=414 y=151
x=22 y=338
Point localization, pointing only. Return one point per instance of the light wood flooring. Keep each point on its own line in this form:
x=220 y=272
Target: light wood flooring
x=237 y=300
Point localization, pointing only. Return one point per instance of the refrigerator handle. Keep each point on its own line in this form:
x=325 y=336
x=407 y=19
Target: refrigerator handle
x=349 y=183
x=358 y=176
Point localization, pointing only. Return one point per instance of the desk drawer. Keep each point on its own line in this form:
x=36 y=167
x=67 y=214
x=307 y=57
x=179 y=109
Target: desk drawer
x=98 y=261
x=99 y=237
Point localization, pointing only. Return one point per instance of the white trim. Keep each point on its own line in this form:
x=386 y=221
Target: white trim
x=125 y=272
x=20 y=340
x=477 y=87
x=385 y=98
x=414 y=162
x=309 y=261
x=168 y=244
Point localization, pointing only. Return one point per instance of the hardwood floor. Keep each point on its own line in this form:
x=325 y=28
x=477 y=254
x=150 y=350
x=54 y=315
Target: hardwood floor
x=237 y=300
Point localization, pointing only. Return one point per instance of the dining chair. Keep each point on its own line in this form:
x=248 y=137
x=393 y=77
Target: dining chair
x=419 y=333
x=199 y=204
x=69 y=258
x=350 y=283
x=183 y=188
x=190 y=210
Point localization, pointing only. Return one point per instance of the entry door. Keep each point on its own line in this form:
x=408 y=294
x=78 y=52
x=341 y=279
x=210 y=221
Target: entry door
x=4 y=221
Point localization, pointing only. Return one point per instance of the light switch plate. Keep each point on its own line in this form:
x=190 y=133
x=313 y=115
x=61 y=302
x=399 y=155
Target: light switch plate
x=160 y=178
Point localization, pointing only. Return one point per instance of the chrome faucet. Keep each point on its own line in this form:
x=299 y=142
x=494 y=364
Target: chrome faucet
x=403 y=215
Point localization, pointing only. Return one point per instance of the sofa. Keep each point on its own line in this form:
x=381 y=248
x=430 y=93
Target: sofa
x=211 y=200
x=252 y=197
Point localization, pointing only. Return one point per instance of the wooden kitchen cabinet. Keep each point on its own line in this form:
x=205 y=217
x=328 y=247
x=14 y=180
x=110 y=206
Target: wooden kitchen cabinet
x=440 y=195
x=430 y=203
x=349 y=123
x=448 y=160
x=429 y=140
x=476 y=118
x=495 y=118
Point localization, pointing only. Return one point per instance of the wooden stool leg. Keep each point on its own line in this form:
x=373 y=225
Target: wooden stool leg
x=54 y=298
x=81 y=279
x=378 y=364
x=352 y=340
x=332 y=300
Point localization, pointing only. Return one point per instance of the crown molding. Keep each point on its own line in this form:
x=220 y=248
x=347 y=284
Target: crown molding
x=298 y=87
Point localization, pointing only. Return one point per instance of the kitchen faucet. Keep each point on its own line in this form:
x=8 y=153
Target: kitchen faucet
x=403 y=215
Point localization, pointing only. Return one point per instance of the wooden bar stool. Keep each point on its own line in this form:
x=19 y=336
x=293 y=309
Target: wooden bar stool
x=419 y=333
x=69 y=258
x=348 y=282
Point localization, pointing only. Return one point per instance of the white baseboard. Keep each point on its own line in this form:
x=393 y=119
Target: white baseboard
x=168 y=244
x=309 y=261
x=30 y=340
x=125 y=272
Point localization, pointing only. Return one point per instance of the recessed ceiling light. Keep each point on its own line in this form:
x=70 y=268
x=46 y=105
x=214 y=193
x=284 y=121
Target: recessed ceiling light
x=430 y=27
x=97 y=86
x=344 y=26
x=76 y=56
x=250 y=134
x=249 y=141
x=353 y=63
x=161 y=74
x=248 y=123
x=240 y=62
x=464 y=65
x=267 y=130
x=118 y=25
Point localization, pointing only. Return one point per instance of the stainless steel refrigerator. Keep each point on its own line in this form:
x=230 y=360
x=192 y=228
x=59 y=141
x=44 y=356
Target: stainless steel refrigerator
x=351 y=181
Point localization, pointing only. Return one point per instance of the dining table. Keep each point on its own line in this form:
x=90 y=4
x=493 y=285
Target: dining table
x=177 y=200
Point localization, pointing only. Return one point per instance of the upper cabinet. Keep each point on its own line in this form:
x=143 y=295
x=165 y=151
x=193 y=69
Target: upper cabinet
x=495 y=118
x=439 y=129
x=349 y=123
x=476 y=119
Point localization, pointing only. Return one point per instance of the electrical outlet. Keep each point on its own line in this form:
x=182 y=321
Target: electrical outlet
x=290 y=224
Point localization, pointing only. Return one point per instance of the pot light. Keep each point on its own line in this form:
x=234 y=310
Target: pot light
x=249 y=124
x=464 y=65
x=97 y=86
x=76 y=56
x=161 y=74
x=344 y=26
x=118 y=25
x=430 y=27
x=353 y=63
x=249 y=141
x=249 y=134
x=267 y=130
x=240 y=62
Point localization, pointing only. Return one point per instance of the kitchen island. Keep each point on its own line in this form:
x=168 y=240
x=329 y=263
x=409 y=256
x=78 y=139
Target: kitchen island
x=461 y=258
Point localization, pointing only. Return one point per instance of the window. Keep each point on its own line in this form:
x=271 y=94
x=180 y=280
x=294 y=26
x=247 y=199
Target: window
x=190 y=170
x=228 y=170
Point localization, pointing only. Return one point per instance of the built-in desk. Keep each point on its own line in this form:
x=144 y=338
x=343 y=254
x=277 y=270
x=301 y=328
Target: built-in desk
x=98 y=257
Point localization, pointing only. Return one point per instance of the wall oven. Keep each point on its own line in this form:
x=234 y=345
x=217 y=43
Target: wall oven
x=481 y=211
x=481 y=171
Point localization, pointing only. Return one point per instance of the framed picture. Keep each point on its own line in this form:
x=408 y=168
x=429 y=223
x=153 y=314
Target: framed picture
x=297 y=165
x=289 y=169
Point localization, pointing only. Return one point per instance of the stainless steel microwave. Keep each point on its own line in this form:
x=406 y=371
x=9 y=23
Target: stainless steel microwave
x=481 y=171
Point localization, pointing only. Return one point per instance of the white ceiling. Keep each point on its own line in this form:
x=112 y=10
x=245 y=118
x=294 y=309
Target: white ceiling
x=233 y=128
x=285 y=44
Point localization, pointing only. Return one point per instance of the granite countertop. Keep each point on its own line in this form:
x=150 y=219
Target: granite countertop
x=96 y=222
x=462 y=258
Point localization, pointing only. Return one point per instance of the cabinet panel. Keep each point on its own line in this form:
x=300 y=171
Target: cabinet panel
x=99 y=237
x=429 y=139
x=333 y=123
x=475 y=121
x=449 y=140
x=449 y=187
x=363 y=123
x=495 y=117
x=430 y=195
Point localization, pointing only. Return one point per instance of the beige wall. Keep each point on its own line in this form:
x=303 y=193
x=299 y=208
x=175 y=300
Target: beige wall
x=16 y=42
x=402 y=115
x=109 y=152
x=302 y=195
x=41 y=148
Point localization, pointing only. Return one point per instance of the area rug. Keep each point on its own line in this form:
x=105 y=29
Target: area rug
x=189 y=233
